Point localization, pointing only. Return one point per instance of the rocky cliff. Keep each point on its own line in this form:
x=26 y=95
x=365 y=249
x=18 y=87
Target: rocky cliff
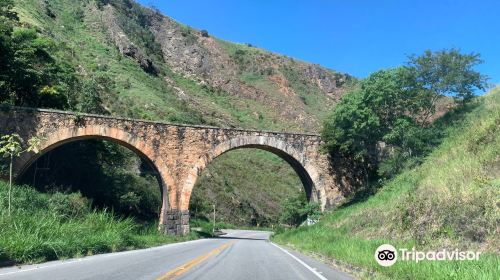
x=288 y=91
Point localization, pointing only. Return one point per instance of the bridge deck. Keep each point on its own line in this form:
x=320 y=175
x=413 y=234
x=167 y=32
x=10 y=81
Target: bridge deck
x=7 y=108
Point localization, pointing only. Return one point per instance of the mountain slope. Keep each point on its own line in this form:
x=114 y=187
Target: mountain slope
x=151 y=67
x=450 y=201
x=184 y=69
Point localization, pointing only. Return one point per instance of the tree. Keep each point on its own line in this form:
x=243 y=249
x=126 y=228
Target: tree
x=446 y=73
x=11 y=146
x=90 y=99
x=7 y=20
x=352 y=127
x=406 y=135
x=394 y=106
x=297 y=209
x=30 y=75
x=406 y=140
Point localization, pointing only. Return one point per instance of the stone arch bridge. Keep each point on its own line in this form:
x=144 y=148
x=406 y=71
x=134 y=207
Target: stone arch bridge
x=178 y=152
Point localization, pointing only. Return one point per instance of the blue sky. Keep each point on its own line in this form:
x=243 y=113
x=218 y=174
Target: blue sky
x=356 y=37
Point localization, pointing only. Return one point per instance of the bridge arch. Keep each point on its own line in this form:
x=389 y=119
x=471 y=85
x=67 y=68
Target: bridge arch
x=295 y=158
x=121 y=137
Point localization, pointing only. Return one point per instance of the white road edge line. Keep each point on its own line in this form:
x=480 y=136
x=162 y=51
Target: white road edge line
x=301 y=262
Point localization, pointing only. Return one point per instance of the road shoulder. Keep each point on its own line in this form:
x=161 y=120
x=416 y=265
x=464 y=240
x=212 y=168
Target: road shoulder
x=326 y=270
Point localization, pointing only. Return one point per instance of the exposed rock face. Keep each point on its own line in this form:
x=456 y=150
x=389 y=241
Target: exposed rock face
x=179 y=153
x=189 y=53
x=208 y=61
x=327 y=81
x=121 y=40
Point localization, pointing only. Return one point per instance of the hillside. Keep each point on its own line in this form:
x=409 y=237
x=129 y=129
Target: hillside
x=450 y=201
x=164 y=70
x=145 y=65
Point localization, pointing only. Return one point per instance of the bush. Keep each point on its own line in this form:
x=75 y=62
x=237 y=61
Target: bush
x=297 y=209
x=69 y=206
x=34 y=77
x=206 y=226
x=101 y=3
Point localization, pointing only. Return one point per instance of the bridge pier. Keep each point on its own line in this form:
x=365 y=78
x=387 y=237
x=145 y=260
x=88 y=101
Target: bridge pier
x=177 y=222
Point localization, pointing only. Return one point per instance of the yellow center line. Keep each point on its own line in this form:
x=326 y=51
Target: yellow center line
x=192 y=263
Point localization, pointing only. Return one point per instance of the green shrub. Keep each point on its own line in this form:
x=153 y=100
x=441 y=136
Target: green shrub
x=69 y=206
x=297 y=209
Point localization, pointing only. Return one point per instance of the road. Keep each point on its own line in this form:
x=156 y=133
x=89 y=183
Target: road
x=241 y=254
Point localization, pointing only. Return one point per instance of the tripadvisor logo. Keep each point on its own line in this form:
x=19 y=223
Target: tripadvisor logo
x=386 y=255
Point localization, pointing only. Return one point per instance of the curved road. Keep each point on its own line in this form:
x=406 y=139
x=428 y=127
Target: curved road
x=241 y=254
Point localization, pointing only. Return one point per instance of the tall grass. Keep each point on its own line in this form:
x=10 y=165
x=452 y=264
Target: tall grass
x=46 y=227
x=450 y=201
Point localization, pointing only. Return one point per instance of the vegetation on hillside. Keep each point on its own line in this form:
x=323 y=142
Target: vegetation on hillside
x=450 y=201
x=30 y=75
x=390 y=115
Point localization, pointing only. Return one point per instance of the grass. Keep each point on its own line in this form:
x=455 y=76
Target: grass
x=45 y=227
x=450 y=201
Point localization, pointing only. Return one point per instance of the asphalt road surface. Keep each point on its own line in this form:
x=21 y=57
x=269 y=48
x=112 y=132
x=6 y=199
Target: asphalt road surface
x=241 y=254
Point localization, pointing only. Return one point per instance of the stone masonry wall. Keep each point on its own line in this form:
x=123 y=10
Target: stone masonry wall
x=179 y=152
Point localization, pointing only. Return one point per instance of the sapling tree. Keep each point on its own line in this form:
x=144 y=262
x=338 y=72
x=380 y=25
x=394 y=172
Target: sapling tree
x=11 y=146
